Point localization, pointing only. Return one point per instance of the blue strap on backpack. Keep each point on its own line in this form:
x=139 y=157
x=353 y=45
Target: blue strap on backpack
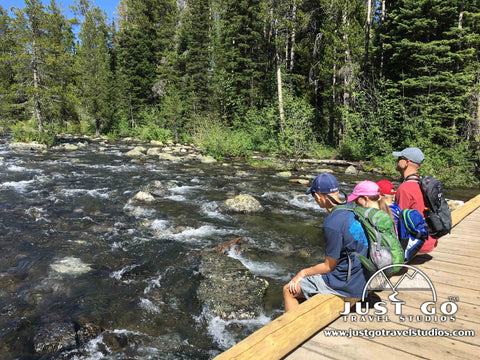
x=412 y=231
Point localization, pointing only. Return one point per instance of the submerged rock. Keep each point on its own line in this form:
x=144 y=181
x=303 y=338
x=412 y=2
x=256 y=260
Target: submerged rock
x=70 y=266
x=229 y=289
x=55 y=337
x=242 y=203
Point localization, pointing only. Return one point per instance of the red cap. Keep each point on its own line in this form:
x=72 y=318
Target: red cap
x=386 y=187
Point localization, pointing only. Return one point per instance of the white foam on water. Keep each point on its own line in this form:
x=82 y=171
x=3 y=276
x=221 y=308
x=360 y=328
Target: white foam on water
x=259 y=268
x=19 y=186
x=196 y=235
x=153 y=283
x=218 y=328
x=70 y=266
x=149 y=306
x=21 y=169
x=92 y=350
x=119 y=273
x=138 y=211
x=100 y=193
x=210 y=209
x=185 y=189
x=160 y=225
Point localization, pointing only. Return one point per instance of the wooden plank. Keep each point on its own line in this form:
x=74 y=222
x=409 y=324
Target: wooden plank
x=321 y=347
x=453 y=272
x=289 y=330
x=466 y=209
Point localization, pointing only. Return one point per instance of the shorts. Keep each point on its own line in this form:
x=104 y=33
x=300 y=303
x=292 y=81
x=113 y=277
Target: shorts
x=312 y=285
x=429 y=245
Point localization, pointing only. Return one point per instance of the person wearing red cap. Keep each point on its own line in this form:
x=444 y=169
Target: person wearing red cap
x=387 y=192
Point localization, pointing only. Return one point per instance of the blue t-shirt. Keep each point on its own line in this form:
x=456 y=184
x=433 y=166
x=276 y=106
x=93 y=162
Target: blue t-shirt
x=343 y=237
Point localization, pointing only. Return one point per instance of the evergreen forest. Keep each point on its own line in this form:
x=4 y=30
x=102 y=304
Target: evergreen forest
x=345 y=79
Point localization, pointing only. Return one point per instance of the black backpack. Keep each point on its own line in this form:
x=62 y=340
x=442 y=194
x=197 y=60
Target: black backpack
x=438 y=217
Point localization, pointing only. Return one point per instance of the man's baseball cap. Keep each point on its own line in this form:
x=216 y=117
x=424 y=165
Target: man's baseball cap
x=412 y=153
x=323 y=184
x=386 y=187
x=364 y=188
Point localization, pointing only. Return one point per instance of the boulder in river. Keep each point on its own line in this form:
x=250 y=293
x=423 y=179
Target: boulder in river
x=229 y=289
x=55 y=337
x=242 y=204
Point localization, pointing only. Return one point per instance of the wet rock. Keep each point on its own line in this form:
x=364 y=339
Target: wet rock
x=351 y=170
x=54 y=337
x=301 y=181
x=115 y=341
x=207 y=159
x=229 y=289
x=242 y=203
x=168 y=157
x=28 y=146
x=159 y=188
x=284 y=174
x=155 y=151
x=66 y=147
x=70 y=266
x=87 y=332
x=454 y=204
x=138 y=151
x=142 y=197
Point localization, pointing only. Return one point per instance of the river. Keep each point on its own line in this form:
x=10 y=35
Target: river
x=74 y=249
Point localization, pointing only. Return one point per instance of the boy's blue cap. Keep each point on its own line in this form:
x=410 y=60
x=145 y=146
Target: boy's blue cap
x=413 y=154
x=324 y=184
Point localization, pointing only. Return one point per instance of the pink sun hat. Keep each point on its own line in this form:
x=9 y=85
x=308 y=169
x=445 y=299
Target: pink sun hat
x=365 y=188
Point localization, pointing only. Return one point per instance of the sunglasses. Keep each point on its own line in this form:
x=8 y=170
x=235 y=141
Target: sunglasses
x=402 y=158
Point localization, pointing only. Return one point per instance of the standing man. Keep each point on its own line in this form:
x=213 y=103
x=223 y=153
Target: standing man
x=341 y=273
x=409 y=195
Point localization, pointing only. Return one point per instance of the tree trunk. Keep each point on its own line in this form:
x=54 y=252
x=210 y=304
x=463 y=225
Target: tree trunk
x=36 y=85
x=367 y=35
x=279 y=82
x=292 y=39
x=382 y=19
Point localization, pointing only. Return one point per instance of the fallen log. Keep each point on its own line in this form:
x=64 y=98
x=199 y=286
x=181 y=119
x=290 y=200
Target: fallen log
x=225 y=247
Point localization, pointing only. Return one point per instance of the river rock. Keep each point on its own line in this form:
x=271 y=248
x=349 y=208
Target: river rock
x=351 y=170
x=207 y=159
x=138 y=151
x=284 y=174
x=54 y=337
x=454 y=204
x=28 y=146
x=169 y=157
x=229 y=289
x=142 y=197
x=242 y=204
x=159 y=188
x=154 y=151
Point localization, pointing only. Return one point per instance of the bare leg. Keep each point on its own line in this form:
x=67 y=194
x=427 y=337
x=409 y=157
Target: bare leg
x=292 y=300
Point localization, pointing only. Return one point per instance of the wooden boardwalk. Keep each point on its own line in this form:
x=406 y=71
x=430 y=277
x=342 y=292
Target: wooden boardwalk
x=454 y=271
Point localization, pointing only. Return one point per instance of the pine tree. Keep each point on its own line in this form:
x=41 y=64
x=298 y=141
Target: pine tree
x=146 y=30
x=243 y=55
x=6 y=78
x=41 y=60
x=93 y=63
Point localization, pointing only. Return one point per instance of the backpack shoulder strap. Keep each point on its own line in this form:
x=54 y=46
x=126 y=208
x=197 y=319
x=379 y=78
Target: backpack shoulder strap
x=414 y=178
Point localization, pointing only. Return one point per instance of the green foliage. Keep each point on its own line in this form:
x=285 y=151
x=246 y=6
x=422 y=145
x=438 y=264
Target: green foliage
x=28 y=132
x=151 y=131
x=297 y=132
x=164 y=72
x=220 y=141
